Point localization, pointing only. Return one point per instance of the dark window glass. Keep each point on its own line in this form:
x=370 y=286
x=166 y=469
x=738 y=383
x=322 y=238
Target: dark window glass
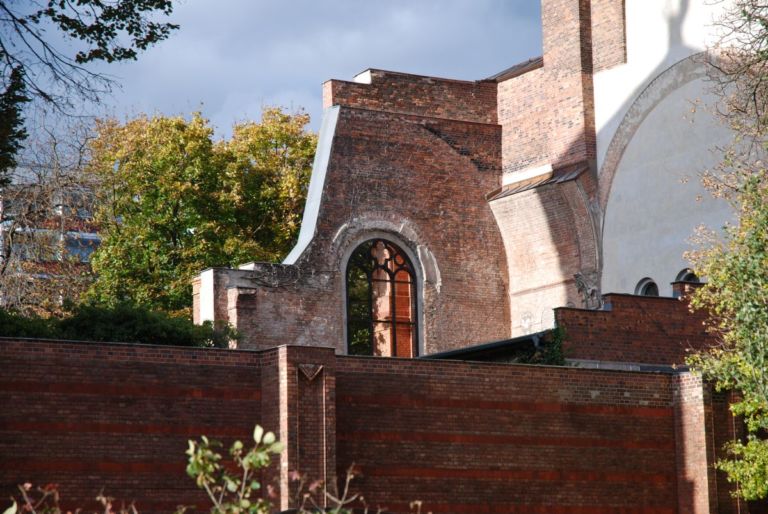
x=650 y=289
x=688 y=276
x=381 y=301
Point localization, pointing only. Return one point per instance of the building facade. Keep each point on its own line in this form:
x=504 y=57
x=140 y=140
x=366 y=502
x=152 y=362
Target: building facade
x=565 y=177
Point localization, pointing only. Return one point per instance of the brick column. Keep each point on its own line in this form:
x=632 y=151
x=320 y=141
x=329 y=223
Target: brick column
x=694 y=446
x=299 y=405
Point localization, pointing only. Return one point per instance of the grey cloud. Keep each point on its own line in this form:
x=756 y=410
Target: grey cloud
x=230 y=57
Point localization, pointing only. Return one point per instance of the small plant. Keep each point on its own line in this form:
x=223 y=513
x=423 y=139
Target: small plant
x=232 y=493
x=232 y=487
x=45 y=500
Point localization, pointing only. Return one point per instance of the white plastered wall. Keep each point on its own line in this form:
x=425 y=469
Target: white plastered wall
x=659 y=34
x=656 y=198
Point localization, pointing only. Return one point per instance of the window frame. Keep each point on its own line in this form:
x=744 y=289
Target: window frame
x=415 y=285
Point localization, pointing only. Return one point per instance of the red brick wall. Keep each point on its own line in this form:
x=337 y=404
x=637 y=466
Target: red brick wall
x=461 y=437
x=694 y=446
x=91 y=416
x=415 y=94
x=421 y=181
x=547 y=114
x=637 y=329
x=609 y=34
x=474 y=438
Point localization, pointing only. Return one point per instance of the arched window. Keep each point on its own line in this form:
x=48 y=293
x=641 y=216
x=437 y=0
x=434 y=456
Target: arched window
x=381 y=301
x=647 y=287
x=687 y=276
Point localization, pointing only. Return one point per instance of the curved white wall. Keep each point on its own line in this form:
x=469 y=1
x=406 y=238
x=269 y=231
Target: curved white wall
x=659 y=33
x=656 y=198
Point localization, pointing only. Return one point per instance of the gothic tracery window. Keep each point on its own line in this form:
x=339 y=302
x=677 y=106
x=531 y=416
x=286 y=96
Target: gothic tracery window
x=381 y=301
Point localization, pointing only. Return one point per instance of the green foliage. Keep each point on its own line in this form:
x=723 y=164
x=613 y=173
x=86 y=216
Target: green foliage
x=748 y=467
x=32 y=66
x=100 y=24
x=232 y=490
x=16 y=325
x=232 y=493
x=12 y=131
x=121 y=323
x=173 y=201
x=736 y=296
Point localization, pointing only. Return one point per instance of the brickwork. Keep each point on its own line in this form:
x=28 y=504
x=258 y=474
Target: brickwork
x=91 y=416
x=547 y=118
x=414 y=94
x=609 y=34
x=544 y=252
x=462 y=437
x=547 y=114
x=694 y=448
x=471 y=438
x=422 y=183
x=642 y=329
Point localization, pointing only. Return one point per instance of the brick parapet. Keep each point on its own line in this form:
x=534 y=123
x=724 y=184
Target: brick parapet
x=636 y=329
x=418 y=95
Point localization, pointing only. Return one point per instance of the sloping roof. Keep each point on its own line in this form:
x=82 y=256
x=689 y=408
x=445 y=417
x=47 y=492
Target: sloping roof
x=498 y=351
x=518 y=69
x=558 y=176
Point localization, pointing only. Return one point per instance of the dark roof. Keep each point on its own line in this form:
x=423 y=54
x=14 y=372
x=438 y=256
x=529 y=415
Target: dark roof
x=518 y=69
x=492 y=350
x=557 y=176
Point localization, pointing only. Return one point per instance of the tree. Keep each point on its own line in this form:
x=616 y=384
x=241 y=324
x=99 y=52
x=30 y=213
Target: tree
x=172 y=201
x=106 y=30
x=735 y=262
x=46 y=228
x=736 y=296
x=12 y=131
x=34 y=67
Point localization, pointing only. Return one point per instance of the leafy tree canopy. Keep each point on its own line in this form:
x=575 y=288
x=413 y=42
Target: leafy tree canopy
x=172 y=201
x=105 y=30
x=35 y=66
x=735 y=263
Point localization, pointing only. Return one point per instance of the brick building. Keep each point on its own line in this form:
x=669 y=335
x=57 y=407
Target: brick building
x=559 y=179
x=457 y=222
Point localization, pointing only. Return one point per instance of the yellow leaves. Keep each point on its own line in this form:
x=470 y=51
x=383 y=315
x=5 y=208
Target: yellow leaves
x=186 y=202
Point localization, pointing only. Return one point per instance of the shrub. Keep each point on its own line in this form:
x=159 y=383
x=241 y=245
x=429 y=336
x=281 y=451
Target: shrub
x=121 y=323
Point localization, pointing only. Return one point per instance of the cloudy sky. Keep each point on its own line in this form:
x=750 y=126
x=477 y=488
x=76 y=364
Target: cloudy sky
x=231 y=57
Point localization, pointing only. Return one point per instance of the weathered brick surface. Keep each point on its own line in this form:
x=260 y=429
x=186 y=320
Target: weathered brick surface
x=111 y=417
x=467 y=438
x=609 y=34
x=414 y=94
x=641 y=329
x=421 y=181
x=548 y=238
x=547 y=114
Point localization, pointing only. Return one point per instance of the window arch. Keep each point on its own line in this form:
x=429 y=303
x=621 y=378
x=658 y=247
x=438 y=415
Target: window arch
x=381 y=301
x=647 y=287
x=687 y=275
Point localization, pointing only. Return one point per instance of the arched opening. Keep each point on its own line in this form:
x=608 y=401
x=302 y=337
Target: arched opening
x=647 y=287
x=687 y=276
x=381 y=301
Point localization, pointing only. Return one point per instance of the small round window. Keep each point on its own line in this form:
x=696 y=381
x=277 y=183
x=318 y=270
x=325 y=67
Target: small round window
x=647 y=287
